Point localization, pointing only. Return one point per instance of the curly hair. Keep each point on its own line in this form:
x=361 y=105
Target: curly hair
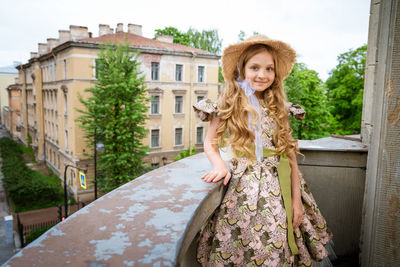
x=234 y=109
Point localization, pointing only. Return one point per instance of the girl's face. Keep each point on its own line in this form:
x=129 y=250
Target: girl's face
x=260 y=71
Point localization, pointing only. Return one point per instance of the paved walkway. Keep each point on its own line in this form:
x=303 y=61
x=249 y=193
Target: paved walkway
x=6 y=249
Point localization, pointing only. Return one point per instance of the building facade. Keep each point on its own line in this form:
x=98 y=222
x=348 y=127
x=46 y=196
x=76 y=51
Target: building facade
x=8 y=76
x=176 y=76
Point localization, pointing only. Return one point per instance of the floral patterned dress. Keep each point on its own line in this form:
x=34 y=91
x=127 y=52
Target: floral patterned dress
x=250 y=228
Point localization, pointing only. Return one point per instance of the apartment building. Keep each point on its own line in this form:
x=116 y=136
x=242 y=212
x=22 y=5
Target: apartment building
x=8 y=75
x=176 y=76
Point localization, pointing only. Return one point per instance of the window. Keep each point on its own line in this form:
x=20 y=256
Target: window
x=65 y=104
x=199 y=98
x=155 y=136
x=178 y=104
x=97 y=68
x=155 y=105
x=199 y=135
x=66 y=141
x=155 y=68
x=178 y=136
x=65 y=69
x=178 y=72
x=200 y=74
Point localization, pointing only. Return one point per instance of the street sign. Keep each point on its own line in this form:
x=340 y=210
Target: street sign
x=82 y=178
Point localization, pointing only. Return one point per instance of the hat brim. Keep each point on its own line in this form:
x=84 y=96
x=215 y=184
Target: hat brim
x=285 y=55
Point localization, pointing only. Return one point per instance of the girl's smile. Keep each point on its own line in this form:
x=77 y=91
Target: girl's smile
x=260 y=71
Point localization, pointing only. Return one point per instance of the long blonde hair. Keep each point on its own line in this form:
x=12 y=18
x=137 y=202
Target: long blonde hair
x=234 y=110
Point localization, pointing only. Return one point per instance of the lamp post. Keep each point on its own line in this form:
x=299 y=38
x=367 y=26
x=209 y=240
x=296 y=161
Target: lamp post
x=65 y=186
x=98 y=146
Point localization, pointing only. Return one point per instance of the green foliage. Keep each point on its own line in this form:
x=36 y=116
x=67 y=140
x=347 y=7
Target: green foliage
x=304 y=87
x=26 y=188
x=117 y=109
x=179 y=37
x=185 y=153
x=220 y=75
x=28 y=149
x=242 y=35
x=205 y=40
x=345 y=91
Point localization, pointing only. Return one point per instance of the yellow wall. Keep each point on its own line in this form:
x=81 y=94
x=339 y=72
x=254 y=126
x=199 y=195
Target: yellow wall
x=77 y=74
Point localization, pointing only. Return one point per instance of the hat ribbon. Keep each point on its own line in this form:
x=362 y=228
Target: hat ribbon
x=253 y=101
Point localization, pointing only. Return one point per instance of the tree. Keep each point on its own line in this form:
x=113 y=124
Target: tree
x=242 y=35
x=179 y=37
x=304 y=87
x=205 y=40
x=345 y=91
x=116 y=111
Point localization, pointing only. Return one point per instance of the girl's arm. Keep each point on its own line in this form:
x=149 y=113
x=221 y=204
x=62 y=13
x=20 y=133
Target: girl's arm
x=297 y=204
x=220 y=170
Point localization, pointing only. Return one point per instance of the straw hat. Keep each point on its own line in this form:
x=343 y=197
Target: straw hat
x=230 y=57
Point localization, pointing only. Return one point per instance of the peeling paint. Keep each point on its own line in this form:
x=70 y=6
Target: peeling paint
x=140 y=223
x=162 y=251
x=117 y=244
x=120 y=226
x=57 y=232
x=146 y=243
x=129 y=263
x=134 y=210
x=105 y=211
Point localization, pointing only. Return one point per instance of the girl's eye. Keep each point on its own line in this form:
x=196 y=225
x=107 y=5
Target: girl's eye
x=270 y=69
x=254 y=68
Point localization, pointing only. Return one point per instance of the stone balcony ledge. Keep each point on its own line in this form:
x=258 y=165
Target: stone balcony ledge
x=154 y=219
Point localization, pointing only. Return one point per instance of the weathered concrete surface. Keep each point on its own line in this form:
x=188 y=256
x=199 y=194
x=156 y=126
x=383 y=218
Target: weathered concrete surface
x=153 y=220
x=141 y=223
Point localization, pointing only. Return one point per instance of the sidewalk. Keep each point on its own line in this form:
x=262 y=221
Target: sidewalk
x=6 y=249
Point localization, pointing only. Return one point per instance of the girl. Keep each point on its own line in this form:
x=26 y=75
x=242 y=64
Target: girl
x=268 y=216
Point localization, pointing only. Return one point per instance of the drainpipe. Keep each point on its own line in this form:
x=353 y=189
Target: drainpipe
x=190 y=99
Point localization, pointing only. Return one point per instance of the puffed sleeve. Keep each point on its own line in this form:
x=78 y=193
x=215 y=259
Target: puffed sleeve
x=295 y=110
x=205 y=109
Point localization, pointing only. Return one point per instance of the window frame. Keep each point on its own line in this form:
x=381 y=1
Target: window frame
x=197 y=134
x=181 y=136
x=176 y=104
x=158 y=105
x=155 y=71
x=203 y=76
x=158 y=139
x=179 y=75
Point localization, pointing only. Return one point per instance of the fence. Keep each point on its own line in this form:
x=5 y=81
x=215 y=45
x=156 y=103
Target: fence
x=26 y=222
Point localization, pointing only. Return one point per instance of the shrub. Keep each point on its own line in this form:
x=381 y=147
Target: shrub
x=26 y=188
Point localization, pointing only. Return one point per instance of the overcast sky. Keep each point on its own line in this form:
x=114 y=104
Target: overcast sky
x=319 y=30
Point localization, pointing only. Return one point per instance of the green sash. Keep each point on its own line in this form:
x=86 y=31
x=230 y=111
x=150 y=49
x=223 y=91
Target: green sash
x=286 y=188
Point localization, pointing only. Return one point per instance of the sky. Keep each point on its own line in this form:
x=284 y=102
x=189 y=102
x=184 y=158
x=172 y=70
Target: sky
x=319 y=30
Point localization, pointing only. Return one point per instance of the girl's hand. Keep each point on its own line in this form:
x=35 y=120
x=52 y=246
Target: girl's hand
x=298 y=212
x=217 y=174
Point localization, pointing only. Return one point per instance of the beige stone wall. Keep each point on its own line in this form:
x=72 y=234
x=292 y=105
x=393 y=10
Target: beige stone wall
x=49 y=103
x=5 y=80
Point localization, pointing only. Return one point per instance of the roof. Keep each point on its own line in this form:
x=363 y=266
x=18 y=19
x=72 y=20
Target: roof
x=142 y=42
x=8 y=70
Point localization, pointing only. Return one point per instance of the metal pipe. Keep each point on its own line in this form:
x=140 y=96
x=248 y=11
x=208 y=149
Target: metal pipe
x=95 y=163
x=65 y=186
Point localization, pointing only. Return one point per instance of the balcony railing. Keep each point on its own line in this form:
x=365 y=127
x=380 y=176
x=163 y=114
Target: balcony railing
x=154 y=219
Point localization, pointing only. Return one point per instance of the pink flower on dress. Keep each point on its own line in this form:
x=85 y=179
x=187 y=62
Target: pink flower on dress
x=245 y=221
